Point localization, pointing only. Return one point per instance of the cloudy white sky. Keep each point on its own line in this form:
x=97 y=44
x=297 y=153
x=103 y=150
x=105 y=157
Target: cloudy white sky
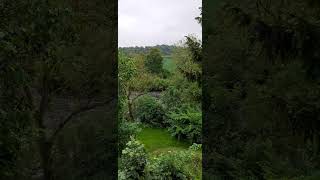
x=152 y=22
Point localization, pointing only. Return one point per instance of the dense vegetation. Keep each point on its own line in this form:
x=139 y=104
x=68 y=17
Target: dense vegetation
x=50 y=123
x=160 y=116
x=261 y=64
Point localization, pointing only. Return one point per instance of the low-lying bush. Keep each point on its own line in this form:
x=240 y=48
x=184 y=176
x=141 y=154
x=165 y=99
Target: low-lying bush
x=186 y=123
x=133 y=161
x=149 y=110
x=125 y=131
x=177 y=165
x=158 y=84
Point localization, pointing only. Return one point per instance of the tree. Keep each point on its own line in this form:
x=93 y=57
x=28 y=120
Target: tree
x=259 y=88
x=199 y=18
x=48 y=50
x=188 y=58
x=154 y=61
x=127 y=71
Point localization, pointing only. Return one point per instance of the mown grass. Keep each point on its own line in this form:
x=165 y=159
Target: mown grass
x=169 y=64
x=158 y=140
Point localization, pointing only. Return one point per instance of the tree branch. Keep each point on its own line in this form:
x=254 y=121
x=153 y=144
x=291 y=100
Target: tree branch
x=138 y=96
x=77 y=112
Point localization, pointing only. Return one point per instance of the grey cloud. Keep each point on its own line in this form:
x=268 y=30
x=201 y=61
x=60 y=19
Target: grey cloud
x=151 y=22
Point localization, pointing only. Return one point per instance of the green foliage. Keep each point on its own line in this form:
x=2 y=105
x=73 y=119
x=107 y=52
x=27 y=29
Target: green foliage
x=127 y=71
x=195 y=48
x=260 y=90
x=175 y=165
x=186 y=123
x=181 y=92
x=149 y=110
x=15 y=137
x=188 y=58
x=314 y=176
x=46 y=51
x=165 y=50
x=30 y=33
x=158 y=84
x=125 y=131
x=178 y=79
x=133 y=161
x=84 y=150
x=154 y=61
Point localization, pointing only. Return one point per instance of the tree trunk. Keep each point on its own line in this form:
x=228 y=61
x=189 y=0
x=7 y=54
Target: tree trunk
x=45 y=148
x=315 y=144
x=130 y=106
x=44 y=143
x=130 y=111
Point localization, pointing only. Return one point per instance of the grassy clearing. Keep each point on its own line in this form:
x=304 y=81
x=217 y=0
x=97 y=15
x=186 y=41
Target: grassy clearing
x=169 y=64
x=158 y=140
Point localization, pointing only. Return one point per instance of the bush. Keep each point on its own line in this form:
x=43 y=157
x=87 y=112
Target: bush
x=181 y=91
x=154 y=61
x=149 y=110
x=126 y=130
x=133 y=161
x=186 y=123
x=158 y=84
x=314 y=176
x=175 y=165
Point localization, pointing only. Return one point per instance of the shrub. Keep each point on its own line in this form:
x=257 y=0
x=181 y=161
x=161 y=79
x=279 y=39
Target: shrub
x=314 y=176
x=158 y=84
x=175 y=165
x=166 y=73
x=171 y=98
x=126 y=130
x=149 y=110
x=133 y=161
x=179 y=92
x=186 y=123
x=154 y=61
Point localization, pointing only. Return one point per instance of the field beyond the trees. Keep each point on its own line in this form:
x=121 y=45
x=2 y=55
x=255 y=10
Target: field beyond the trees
x=169 y=64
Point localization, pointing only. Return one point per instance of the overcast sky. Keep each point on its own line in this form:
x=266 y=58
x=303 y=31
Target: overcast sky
x=152 y=22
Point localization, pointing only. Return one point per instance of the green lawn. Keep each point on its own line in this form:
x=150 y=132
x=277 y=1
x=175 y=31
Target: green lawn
x=158 y=140
x=169 y=64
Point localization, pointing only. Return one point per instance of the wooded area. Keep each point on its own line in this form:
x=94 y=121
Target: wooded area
x=261 y=83
x=160 y=118
x=58 y=89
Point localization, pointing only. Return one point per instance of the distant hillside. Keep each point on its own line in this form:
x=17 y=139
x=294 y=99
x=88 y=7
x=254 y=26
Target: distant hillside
x=166 y=50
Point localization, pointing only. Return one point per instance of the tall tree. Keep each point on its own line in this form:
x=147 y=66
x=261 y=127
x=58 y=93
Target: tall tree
x=154 y=61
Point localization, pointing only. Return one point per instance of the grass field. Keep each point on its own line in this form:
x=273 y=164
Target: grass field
x=158 y=140
x=169 y=64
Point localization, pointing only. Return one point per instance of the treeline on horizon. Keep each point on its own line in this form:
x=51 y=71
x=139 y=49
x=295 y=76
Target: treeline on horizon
x=165 y=50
